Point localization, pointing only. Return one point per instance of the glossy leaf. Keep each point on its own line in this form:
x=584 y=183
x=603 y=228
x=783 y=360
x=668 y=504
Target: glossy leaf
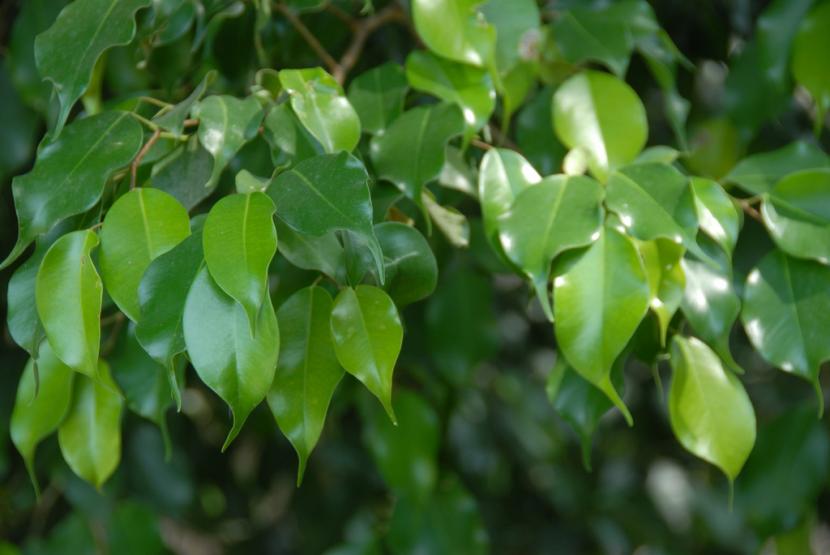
x=717 y=214
x=290 y=141
x=453 y=29
x=239 y=242
x=603 y=116
x=710 y=413
x=70 y=174
x=368 y=334
x=758 y=173
x=597 y=310
x=449 y=220
x=90 y=436
x=235 y=364
x=173 y=119
x=516 y=23
x=68 y=293
x=377 y=96
x=140 y=226
x=66 y=53
x=666 y=279
x=324 y=253
x=808 y=64
x=307 y=371
x=184 y=172
x=410 y=266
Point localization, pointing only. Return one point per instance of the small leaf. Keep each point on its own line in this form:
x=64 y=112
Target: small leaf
x=666 y=279
x=173 y=119
x=758 y=173
x=710 y=413
x=808 y=63
x=324 y=110
x=411 y=269
x=184 y=172
x=142 y=225
x=70 y=174
x=307 y=371
x=41 y=404
x=717 y=214
x=449 y=220
x=453 y=29
x=377 y=96
x=235 y=364
x=600 y=295
x=23 y=323
x=68 y=293
x=66 y=53
x=239 y=241
x=368 y=334
x=90 y=436
x=323 y=254
x=603 y=116
x=290 y=142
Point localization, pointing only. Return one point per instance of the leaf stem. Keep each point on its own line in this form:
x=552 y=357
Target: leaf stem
x=141 y=153
x=362 y=29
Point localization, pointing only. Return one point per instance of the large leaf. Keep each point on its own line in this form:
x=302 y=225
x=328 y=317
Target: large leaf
x=453 y=29
x=368 y=334
x=140 y=226
x=319 y=102
x=66 y=53
x=90 y=436
x=239 y=241
x=786 y=314
x=808 y=62
x=411 y=269
x=235 y=364
x=41 y=404
x=599 y=297
x=602 y=116
x=377 y=96
x=559 y=213
x=758 y=173
x=307 y=371
x=70 y=174
x=68 y=293
x=710 y=413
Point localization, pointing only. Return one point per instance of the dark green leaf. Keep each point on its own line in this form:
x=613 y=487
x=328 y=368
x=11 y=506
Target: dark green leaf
x=173 y=119
x=378 y=96
x=411 y=270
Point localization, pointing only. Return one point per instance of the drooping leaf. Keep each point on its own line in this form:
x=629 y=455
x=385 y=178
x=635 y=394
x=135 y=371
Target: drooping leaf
x=142 y=225
x=377 y=96
x=90 y=436
x=453 y=29
x=600 y=296
x=808 y=63
x=410 y=266
x=235 y=364
x=717 y=214
x=666 y=279
x=239 y=241
x=66 y=53
x=559 y=213
x=368 y=334
x=324 y=110
x=173 y=119
x=758 y=173
x=710 y=413
x=307 y=371
x=68 y=293
x=184 y=172
x=601 y=115
x=70 y=174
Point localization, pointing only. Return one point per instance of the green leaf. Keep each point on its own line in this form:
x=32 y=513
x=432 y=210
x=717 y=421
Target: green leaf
x=41 y=404
x=600 y=296
x=23 y=323
x=516 y=23
x=808 y=62
x=535 y=136
x=68 y=293
x=326 y=193
x=601 y=35
x=546 y=219
x=601 y=115
x=368 y=334
x=470 y=88
x=377 y=96
x=19 y=133
x=235 y=364
x=666 y=279
x=184 y=172
x=307 y=371
x=173 y=119
x=710 y=413
x=758 y=173
x=410 y=266
x=786 y=314
x=324 y=110
x=70 y=174
x=66 y=53
x=240 y=241
x=140 y=226
x=290 y=142
x=225 y=124
x=323 y=254
x=717 y=214
x=90 y=436
x=410 y=153
x=453 y=29
x=449 y=220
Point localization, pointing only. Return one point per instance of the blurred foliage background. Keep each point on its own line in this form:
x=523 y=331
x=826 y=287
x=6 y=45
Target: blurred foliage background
x=470 y=387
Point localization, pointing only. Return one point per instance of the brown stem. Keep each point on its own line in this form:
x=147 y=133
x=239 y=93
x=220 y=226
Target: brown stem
x=749 y=210
x=309 y=37
x=141 y=154
x=191 y=122
x=478 y=143
x=362 y=29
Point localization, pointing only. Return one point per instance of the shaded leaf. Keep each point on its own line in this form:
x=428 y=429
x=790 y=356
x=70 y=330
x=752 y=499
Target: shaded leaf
x=808 y=63
x=410 y=266
x=184 y=172
x=377 y=96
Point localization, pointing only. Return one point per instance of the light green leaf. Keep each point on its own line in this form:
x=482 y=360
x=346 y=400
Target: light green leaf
x=41 y=404
x=68 y=293
x=70 y=174
x=66 y=53
x=140 y=226
x=377 y=96
x=235 y=364
x=717 y=214
x=809 y=63
x=225 y=124
x=546 y=219
x=173 y=119
x=786 y=314
x=666 y=280
x=600 y=296
x=710 y=413
x=411 y=269
x=368 y=334
x=307 y=371
x=449 y=220
x=603 y=116
x=453 y=29
x=758 y=173
x=324 y=110
x=240 y=241
x=90 y=436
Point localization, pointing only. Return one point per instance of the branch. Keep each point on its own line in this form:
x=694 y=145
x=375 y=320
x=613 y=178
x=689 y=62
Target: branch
x=141 y=154
x=749 y=210
x=362 y=29
x=309 y=37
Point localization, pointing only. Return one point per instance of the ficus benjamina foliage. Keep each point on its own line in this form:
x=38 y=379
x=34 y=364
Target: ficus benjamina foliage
x=426 y=227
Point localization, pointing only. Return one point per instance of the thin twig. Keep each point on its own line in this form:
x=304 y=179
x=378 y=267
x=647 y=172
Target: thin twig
x=141 y=153
x=309 y=37
x=478 y=143
x=362 y=30
x=191 y=122
x=749 y=210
